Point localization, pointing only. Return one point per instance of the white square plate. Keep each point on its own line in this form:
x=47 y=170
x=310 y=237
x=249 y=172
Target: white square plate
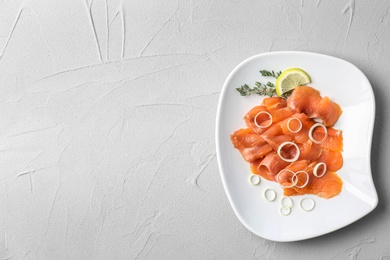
x=343 y=83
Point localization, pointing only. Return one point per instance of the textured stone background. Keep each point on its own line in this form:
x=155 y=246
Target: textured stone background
x=107 y=121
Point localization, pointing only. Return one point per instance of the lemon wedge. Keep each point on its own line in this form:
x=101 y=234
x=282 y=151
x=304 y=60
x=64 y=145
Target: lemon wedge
x=290 y=79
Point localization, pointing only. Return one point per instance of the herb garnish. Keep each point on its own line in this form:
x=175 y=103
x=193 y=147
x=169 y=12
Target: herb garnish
x=266 y=73
x=261 y=89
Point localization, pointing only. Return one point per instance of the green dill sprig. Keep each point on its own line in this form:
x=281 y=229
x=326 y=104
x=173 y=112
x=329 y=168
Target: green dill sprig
x=266 y=73
x=267 y=89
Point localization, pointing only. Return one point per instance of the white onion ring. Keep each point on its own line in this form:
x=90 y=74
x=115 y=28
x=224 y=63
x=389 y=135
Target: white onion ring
x=263 y=126
x=311 y=133
x=255 y=179
x=303 y=185
x=316 y=169
x=299 y=128
x=285 y=210
x=267 y=196
x=291 y=202
x=307 y=209
x=286 y=170
x=296 y=155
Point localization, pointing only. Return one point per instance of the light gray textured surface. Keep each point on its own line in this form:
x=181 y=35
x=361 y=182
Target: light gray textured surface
x=107 y=115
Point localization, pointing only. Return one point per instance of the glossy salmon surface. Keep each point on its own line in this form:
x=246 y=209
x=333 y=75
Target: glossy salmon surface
x=279 y=121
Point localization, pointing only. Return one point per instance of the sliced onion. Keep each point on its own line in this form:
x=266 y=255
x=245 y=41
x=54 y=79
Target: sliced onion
x=285 y=210
x=267 y=194
x=255 y=179
x=299 y=128
x=263 y=126
x=292 y=178
x=316 y=169
x=309 y=207
x=289 y=204
x=296 y=155
x=311 y=133
x=296 y=176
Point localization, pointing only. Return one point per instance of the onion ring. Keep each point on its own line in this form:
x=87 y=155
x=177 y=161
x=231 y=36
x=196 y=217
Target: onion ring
x=307 y=179
x=307 y=209
x=299 y=128
x=263 y=126
x=267 y=196
x=316 y=169
x=296 y=155
x=292 y=178
x=255 y=179
x=311 y=133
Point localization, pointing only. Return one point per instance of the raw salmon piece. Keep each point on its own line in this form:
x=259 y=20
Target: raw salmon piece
x=277 y=116
x=309 y=151
x=303 y=135
x=327 y=186
x=309 y=101
x=304 y=99
x=334 y=138
x=250 y=117
x=271 y=165
x=276 y=141
x=274 y=136
x=295 y=167
x=328 y=111
x=334 y=141
x=251 y=145
x=332 y=159
x=274 y=103
x=281 y=114
x=255 y=169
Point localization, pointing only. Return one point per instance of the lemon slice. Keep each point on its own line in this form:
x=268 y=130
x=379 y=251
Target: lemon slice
x=290 y=79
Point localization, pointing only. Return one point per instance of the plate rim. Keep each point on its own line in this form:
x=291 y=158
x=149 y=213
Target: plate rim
x=218 y=141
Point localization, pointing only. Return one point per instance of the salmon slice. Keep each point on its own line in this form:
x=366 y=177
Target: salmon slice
x=295 y=167
x=281 y=114
x=249 y=119
x=334 y=141
x=304 y=99
x=251 y=145
x=274 y=103
x=332 y=159
x=271 y=165
x=309 y=151
x=264 y=120
x=255 y=169
x=301 y=136
x=274 y=136
x=326 y=186
x=309 y=101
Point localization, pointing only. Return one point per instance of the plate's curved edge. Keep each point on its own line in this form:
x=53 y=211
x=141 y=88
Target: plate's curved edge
x=218 y=152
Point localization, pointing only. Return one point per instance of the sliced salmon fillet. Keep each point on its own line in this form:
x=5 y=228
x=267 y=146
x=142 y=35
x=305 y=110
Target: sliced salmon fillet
x=332 y=159
x=274 y=136
x=274 y=103
x=258 y=146
x=309 y=101
x=334 y=140
x=255 y=169
x=329 y=111
x=249 y=119
x=326 y=186
x=271 y=165
x=309 y=151
x=277 y=116
x=303 y=135
x=251 y=145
